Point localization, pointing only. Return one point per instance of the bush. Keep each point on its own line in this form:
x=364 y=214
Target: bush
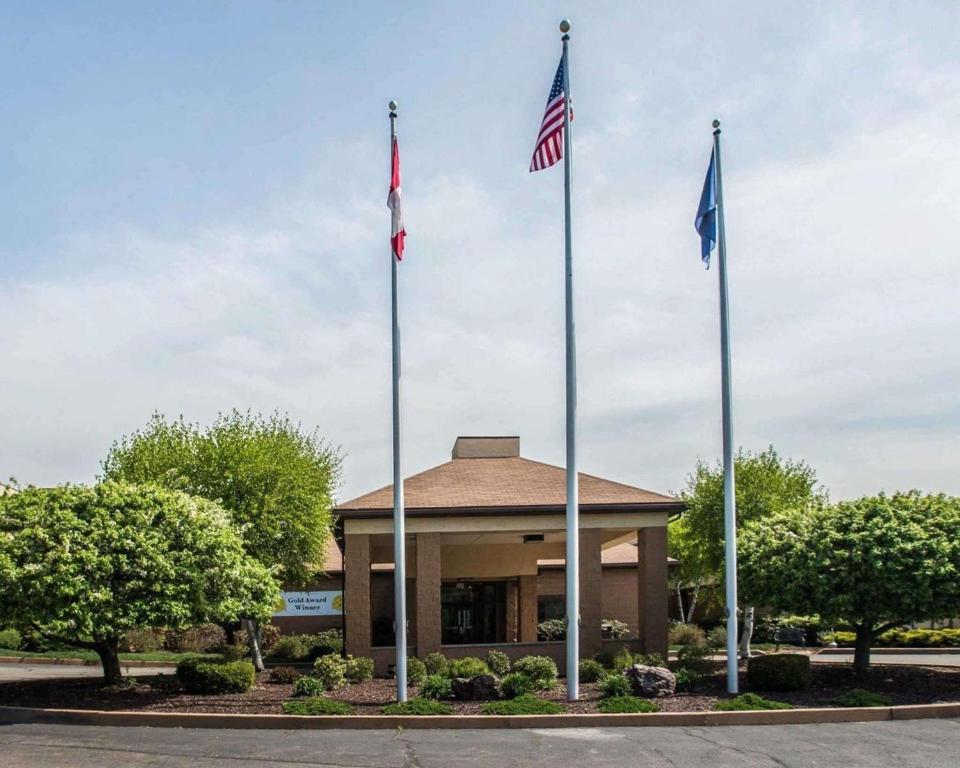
x=779 y=672
x=696 y=658
x=194 y=640
x=416 y=671
x=687 y=634
x=359 y=669
x=269 y=634
x=748 y=701
x=498 y=662
x=717 y=637
x=652 y=660
x=331 y=671
x=614 y=685
x=765 y=627
x=552 y=629
x=308 y=686
x=468 y=666
x=418 y=706
x=906 y=638
x=686 y=678
x=436 y=663
x=316 y=705
x=325 y=643
x=142 y=641
x=230 y=652
x=200 y=676
x=605 y=659
x=10 y=639
x=291 y=648
x=619 y=704
x=284 y=675
x=590 y=671
x=858 y=697
x=516 y=684
x=614 y=628
x=540 y=669
x=437 y=687
x=528 y=704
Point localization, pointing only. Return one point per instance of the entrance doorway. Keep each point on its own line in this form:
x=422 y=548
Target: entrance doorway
x=473 y=612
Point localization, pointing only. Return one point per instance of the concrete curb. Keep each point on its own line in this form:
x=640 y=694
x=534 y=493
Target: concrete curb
x=374 y=722
x=81 y=662
x=890 y=651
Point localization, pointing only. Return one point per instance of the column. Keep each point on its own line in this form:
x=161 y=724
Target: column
x=428 y=593
x=591 y=580
x=513 y=611
x=357 y=599
x=528 y=609
x=652 y=589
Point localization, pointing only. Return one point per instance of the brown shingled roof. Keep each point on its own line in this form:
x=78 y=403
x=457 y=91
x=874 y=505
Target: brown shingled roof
x=515 y=482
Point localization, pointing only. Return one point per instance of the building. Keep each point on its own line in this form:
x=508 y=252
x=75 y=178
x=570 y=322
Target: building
x=485 y=549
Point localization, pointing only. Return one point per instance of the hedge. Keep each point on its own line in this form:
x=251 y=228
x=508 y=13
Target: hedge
x=199 y=676
x=779 y=672
x=906 y=638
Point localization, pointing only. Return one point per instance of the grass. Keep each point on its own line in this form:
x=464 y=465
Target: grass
x=92 y=656
x=620 y=704
x=317 y=705
x=528 y=704
x=418 y=706
x=859 y=697
x=749 y=701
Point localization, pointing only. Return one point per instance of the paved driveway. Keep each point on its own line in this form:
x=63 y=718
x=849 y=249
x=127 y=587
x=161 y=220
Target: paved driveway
x=901 y=744
x=46 y=671
x=924 y=659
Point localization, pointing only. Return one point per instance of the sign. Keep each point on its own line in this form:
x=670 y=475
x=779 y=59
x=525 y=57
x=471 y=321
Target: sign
x=310 y=604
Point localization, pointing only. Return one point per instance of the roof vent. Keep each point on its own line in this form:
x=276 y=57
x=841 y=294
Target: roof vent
x=486 y=448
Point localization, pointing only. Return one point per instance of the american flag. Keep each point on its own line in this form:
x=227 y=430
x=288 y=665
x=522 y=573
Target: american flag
x=549 y=147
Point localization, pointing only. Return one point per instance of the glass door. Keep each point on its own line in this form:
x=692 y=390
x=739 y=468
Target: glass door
x=473 y=612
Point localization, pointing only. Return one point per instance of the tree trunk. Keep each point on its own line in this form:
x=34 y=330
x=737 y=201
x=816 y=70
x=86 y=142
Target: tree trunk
x=253 y=640
x=230 y=632
x=861 y=650
x=747 y=634
x=680 y=604
x=693 y=602
x=109 y=652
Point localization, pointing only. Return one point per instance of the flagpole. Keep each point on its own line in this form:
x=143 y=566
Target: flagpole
x=729 y=491
x=573 y=507
x=399 y=527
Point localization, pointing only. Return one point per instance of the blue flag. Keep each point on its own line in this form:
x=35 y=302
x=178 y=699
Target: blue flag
x=706 y=223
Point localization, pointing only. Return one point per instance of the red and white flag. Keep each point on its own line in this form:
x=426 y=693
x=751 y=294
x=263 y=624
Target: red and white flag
x=397 y=232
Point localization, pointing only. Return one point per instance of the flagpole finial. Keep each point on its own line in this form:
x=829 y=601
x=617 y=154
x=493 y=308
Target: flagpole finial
x=393 y=108
x=716 y=126
x=565 y=26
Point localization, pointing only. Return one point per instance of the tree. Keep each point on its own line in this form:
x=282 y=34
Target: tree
x=875 y=563
x=276 y=481
x=765 y=484
x=83 y=565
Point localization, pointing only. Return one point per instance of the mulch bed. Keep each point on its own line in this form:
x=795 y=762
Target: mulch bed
x=163 y=693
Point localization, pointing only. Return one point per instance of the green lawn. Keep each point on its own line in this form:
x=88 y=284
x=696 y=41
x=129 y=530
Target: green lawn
x=91 y=656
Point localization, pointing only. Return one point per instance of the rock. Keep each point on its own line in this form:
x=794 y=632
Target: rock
x=479 y=688
x=651 y=681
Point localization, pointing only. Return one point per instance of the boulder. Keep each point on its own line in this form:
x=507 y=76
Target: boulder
x=651 y=681
x=479 y=688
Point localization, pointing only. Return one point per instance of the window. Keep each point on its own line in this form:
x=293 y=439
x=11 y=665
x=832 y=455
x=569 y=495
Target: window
x=550 y=607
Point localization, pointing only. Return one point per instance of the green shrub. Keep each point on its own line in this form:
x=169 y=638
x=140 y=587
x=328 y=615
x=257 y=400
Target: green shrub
x=416 y=671
x=331 y=671
x=552 y=629
x=436 y=663
x=230 y=652
x=326 y=643
x=618 y=704
x=652 y=660
x=541 y=669
x=358 y=669
x=498 y=662
x=142 y=641
x=605 y=659
x=779 y=672
x=624 y=659
x=193 y=640
x=468 y=666
x=316 y=705
x=590 y=671
x=284 y=675
x=614 y=685
x=10 y=639
x=765 y=627
x=696 y=658
x=614 y=628
x=528 y=704
x=200 y=676
x=687 y=634
x=686 y=678
x=858 y=697
x=418 y=706
x=843 y=639
x=748 y=701
x=308 y=686
x=437 y=687
x=717 y=637
x=516 y=684
x=291 y=648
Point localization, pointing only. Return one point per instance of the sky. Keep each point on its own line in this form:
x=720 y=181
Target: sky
x=193 y=219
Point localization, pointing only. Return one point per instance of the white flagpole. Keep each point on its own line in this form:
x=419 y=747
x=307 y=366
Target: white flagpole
x=573 y=507
x=729 y=489
x=399 y=528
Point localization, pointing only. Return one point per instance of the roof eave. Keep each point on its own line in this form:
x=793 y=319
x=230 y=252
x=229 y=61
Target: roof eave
x=502 y=511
